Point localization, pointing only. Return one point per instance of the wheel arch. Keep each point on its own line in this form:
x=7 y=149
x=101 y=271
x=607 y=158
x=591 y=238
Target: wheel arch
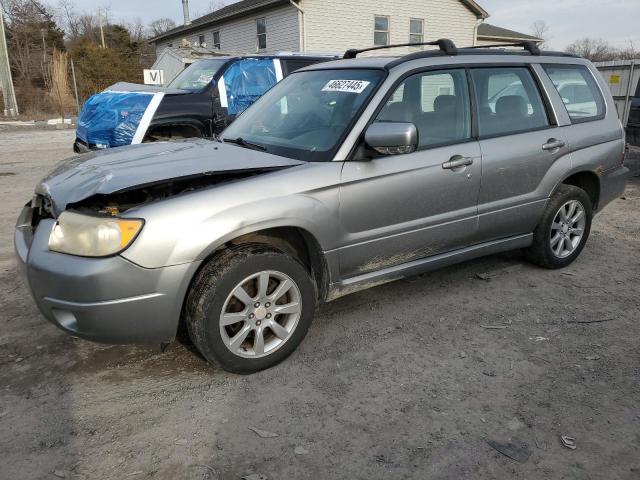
x=588 y=181
x=293 y=240
x=182 y=128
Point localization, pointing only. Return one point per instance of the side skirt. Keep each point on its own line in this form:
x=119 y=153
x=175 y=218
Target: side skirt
x=416 y=267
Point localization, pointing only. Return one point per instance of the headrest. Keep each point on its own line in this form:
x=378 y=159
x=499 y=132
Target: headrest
x=395 y=112
x=511 y=105
x=444 y=102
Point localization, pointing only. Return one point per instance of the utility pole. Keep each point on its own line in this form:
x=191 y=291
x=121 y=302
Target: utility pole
x=101 y=30
x=75 y=86
x=8 y=93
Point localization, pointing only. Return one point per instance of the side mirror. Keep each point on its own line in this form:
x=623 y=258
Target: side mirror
x=392 y=138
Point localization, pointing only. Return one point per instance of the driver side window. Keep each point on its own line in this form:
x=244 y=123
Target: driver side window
x=437 y=103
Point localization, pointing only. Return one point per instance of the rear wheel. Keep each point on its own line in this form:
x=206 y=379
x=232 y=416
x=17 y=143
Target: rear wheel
x=249 y=308
x=564 y=229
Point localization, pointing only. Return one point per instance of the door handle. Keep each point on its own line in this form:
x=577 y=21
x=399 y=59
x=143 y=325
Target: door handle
x=457 y=161
x=553 y=144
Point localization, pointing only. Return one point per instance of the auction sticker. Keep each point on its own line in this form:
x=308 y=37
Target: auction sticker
x=350 y=86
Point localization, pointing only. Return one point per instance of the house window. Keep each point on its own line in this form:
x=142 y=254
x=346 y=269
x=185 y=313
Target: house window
x=261 y=25
x=416 y=30
x=201 y=40
x=216 y=40
x=381 y=31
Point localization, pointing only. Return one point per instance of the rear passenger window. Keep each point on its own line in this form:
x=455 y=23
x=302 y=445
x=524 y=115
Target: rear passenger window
x=578 y=90
x=508 y=101
x=437 y=103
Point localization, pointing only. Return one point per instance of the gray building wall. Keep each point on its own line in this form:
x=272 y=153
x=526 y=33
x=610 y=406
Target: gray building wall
x=336 y=25
x=240 y=36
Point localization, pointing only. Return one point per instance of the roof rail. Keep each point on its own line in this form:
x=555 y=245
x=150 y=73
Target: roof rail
x=446 y=46
x=529 y=46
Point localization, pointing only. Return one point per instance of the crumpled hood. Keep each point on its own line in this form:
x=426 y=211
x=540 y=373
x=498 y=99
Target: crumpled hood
x=113 y=171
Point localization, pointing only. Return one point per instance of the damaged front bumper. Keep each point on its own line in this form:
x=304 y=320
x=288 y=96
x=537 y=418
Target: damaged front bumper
x=80 y=146
x=110 y=300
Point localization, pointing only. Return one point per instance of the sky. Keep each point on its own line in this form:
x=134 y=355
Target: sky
x=568 y=20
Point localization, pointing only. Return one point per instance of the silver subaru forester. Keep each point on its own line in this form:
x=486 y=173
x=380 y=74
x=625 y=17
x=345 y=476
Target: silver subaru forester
x=344 y=176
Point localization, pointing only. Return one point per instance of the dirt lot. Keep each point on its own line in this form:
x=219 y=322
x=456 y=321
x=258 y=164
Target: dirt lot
x=401 y=381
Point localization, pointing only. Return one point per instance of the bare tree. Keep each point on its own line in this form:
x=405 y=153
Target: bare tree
x=629 y=52
x=540 y=29
x=594 y=49
x=161 y=25
x=68 y=18
x=136 y=29
x=215 y=5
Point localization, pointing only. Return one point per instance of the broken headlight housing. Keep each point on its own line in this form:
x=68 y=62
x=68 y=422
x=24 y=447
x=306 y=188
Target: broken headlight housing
x=89 y=236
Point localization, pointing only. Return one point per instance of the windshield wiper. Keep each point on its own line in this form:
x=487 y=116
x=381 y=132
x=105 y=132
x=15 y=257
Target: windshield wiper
x=243 y=143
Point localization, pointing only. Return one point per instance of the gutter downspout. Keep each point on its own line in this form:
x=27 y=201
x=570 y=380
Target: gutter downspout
x=303 y=26
x=475 y=31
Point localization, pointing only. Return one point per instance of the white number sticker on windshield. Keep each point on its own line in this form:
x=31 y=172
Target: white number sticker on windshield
x=350 y=86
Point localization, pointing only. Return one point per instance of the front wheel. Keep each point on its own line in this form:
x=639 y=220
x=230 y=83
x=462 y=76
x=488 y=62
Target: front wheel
x=564 y=229
x=249 y=308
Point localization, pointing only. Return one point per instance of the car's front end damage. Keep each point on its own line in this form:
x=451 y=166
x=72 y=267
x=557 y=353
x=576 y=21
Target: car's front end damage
x=119 y=116
x=72 y=238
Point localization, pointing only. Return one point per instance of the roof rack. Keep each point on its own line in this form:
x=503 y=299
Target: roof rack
x=446 y=46
x=529 y=46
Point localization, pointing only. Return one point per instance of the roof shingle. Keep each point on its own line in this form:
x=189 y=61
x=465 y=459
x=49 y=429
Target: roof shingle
x=491 y=31
x=238 y=8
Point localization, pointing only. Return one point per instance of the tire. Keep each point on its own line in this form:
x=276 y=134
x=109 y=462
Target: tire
x=542 y=252
x=213 y=290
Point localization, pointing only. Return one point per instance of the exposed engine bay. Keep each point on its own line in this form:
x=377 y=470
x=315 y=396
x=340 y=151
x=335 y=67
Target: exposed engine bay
x=116 y=203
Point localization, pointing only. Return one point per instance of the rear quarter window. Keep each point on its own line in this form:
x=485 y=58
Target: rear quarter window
x=579 y=92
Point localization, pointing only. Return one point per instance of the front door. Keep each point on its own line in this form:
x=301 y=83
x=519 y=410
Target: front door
x=399 y=208
x=519 y=145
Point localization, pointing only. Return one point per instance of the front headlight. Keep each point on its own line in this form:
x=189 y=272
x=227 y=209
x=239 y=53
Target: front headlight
x=88 y=236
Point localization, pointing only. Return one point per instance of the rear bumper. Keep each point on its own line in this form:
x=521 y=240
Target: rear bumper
x=612 y=185
x=108 y=300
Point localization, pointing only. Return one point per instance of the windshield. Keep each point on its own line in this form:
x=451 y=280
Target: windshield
x=198 y=75
x=306 y=115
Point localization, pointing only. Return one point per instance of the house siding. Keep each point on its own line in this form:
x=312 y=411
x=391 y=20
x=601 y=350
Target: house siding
x=336 y=25
x=239 y=36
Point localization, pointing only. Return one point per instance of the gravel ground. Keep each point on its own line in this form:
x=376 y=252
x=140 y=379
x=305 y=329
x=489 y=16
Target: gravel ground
x=400 y=381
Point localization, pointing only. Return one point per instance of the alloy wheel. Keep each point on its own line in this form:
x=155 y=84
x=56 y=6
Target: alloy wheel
x=567 y=229
x=260 y=314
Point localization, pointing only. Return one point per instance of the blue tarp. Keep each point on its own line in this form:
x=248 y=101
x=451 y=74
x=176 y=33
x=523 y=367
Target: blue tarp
x=110 y=119
x=246 y=81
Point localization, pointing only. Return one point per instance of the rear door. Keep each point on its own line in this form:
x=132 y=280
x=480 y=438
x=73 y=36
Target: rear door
x=399 y=208
x=520 y=141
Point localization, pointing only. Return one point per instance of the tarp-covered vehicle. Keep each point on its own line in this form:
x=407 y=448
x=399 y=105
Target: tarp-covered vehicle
x=200 y=102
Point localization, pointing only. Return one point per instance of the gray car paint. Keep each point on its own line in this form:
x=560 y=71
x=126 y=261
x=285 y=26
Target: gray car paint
x=374 y=221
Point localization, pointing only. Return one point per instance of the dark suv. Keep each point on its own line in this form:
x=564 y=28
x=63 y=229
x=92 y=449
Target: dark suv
x=200 y=102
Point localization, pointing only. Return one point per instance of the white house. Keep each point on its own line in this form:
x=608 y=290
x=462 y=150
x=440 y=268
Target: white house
x=331 y=26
